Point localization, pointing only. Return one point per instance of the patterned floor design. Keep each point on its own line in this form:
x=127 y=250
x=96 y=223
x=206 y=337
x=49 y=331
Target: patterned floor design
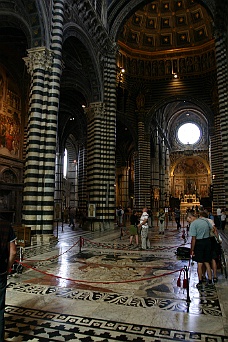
x=39 y=326
x=205 y=302
x=105 y=252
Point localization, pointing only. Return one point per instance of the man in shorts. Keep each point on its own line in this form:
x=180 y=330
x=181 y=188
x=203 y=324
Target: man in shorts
x=200 y=245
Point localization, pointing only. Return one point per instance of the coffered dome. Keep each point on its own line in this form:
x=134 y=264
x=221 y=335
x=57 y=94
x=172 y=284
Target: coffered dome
x=167 y=24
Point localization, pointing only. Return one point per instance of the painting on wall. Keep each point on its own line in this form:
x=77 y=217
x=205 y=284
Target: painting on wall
x=178 y=190
x=203 y=190
x=10 y=118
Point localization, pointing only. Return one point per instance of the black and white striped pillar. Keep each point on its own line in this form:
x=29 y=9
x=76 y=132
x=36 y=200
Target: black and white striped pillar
x=45 y=67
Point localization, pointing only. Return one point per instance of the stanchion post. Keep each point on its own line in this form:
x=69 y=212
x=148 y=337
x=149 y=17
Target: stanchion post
x=21 y=254
x=57 y=229
x=80 y=244
x=188 y=300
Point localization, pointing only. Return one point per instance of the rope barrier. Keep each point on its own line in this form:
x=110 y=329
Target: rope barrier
x=98 y=282
x=81 y=242
x=57 y=255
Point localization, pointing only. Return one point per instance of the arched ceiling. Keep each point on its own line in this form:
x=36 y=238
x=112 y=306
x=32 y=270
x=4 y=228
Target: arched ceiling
x=167 y=24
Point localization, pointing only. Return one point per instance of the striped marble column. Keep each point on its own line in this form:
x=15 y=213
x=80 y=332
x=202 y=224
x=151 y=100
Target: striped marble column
x=155 y=174
x=100 y=166
x=45 y=67
x=82 y=195
x=58 y=195
x=167 y=174
x=220 y=181
x=101 y=140
x=162 y=174
x=142 y=176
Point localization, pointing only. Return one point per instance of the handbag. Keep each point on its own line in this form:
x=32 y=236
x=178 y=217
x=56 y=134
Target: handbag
x=183 y=252
x=184 y=280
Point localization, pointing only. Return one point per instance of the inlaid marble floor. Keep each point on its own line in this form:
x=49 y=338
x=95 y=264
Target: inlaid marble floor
x=93 y=286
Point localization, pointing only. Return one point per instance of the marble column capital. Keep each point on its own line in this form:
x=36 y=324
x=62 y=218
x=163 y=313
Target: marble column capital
x=39 y=58
x=95 y=110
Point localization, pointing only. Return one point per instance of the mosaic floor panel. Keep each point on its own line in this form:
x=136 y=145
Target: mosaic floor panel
x=205 y=303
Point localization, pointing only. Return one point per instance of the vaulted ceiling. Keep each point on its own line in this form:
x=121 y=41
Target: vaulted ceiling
x=167 y=24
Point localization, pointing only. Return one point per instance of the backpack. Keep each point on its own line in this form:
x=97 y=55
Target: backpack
x=119 y=212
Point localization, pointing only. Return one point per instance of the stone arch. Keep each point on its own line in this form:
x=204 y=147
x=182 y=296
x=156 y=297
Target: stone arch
x=151 y=114
x=203 y=161
x=7 y=175
x=31 y=17
x=190 y=175
x=93 y=63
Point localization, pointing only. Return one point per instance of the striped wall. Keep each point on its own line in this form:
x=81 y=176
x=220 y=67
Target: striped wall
x=45 y=68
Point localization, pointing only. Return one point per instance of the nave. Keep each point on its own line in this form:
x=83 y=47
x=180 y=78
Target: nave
x=92 y=286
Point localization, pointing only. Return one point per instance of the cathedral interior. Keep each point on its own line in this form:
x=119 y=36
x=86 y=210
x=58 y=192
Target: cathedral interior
x=108 y=103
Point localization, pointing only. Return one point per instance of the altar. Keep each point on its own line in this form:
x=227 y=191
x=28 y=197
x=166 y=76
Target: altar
x=188 y=202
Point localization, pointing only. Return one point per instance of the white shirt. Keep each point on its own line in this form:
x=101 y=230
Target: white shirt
x=218 y=211
x=142 y=218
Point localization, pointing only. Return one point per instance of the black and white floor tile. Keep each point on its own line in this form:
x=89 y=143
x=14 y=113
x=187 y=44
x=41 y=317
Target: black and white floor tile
x=39 y=326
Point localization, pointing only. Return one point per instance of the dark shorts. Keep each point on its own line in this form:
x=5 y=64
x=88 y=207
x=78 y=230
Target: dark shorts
x=215 y=248
x=203 y=250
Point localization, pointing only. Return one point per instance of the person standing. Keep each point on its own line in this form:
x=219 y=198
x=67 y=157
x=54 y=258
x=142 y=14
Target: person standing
x=133 y=228
x=161 y=221
x=177 y=217
x=215 y=247
x=143 y=225
x=72 y=217
x=7 y=257
x=223 y=219
x=150 y=218
x=219 y=214
x=120 y=214
x=200 y=245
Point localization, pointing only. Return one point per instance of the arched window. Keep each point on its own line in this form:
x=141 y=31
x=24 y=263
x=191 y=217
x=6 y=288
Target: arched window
x=189 y=133
x=65 y=163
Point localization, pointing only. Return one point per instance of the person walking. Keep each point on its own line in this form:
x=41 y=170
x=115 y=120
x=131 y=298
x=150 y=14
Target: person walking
x=161 y=221
x=177 y=216
x=7 y=256
x=215 y=247
x=133 y=228
x=219 y=214
x=200 y=245
x=143 y=225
